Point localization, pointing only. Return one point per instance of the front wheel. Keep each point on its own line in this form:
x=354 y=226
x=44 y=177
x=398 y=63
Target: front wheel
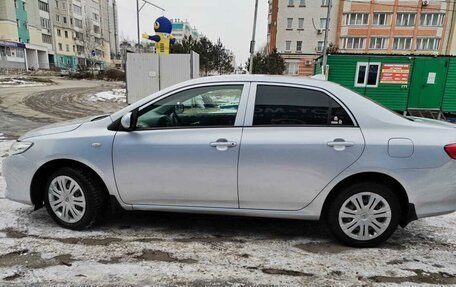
x=74 y=198
x=364 y=214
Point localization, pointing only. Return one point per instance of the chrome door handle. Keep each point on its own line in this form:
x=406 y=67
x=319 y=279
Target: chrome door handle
x=340 y=144
x=223 y=144
x=344 y=143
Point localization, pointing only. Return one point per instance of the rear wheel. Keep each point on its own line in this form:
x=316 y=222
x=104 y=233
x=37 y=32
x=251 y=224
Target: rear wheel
x=364 y=214
x=74 y=198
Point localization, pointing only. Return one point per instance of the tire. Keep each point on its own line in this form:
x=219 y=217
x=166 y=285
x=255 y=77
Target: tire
x=84 y=207
x=365 y=225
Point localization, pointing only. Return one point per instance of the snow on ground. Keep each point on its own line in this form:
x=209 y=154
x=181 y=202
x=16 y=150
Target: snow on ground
x=114 y=95
x=160 y=249
x=20 y=82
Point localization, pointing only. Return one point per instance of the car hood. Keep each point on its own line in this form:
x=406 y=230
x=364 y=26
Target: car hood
x=432 y=122
x=57 y=128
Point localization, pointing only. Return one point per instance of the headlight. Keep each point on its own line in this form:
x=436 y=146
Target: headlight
x=19 y=147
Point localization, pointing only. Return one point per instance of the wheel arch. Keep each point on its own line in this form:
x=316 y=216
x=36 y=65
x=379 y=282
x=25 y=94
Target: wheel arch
x=42 y=174
x=408 y=213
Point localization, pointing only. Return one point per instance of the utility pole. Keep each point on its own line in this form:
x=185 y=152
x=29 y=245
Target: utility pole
x=252 y=43
x=325 y=43
x=138 y=9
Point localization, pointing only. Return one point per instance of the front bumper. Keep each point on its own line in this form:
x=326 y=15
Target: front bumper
x=18 y=173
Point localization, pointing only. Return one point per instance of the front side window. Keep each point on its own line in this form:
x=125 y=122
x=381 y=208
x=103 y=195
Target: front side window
x=367 y=74
x=214 y=106
x=289 y=106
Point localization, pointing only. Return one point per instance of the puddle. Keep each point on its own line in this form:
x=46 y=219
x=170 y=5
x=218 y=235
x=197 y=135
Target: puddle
x=157 y=255
x=285 y=272
x=440 y=278
x=33 y=260
x=12 y=233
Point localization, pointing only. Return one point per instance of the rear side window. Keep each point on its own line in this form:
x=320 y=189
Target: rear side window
x=289 y=106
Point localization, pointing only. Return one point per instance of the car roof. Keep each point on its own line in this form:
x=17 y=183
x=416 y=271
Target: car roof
x=258 y=78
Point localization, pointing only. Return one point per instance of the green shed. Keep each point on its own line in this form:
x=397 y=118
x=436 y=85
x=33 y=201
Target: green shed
x=416 y=85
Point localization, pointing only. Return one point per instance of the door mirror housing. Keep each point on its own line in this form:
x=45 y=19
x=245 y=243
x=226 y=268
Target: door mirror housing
x=128 y=121
x=179 y=108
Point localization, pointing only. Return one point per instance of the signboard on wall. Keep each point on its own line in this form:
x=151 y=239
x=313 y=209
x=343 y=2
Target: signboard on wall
x=395 y=73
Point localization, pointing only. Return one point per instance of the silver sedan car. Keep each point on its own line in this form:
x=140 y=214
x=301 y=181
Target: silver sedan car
x=264 y=146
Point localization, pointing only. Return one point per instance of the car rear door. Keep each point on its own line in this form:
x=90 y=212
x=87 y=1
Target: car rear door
x=295 y=141
x=185 y=149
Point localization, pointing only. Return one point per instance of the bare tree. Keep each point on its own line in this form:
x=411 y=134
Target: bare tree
x=90 y=44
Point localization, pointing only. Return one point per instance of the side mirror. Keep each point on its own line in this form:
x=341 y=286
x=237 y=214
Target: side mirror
x=179 y=108
x=127 y=122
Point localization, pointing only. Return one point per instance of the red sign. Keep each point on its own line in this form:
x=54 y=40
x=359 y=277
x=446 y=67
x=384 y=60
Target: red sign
x=395 y=73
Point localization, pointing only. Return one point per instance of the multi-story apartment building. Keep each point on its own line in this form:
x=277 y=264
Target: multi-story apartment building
x=296 y=29
x=182 y=29
x=113 y=29
x=65 y=33
x=395 y=26
x=21 y=40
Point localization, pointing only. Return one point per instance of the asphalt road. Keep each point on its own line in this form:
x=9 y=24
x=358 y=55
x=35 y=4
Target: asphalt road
x=26 y=108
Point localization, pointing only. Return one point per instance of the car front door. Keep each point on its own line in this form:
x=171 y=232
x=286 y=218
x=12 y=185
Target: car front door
x=184 y=150
x=295 y=141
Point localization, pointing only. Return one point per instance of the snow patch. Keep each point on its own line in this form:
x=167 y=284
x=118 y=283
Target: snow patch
x=114 y=95
x=20 y=83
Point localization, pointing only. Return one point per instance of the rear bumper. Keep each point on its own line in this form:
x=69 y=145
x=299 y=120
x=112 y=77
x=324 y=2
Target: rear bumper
x=431 y=191
x=18 y=173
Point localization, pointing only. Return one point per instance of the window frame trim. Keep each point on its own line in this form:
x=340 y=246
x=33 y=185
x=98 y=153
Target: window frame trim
x=250 y=108
x=240 y=115
x=366 y=76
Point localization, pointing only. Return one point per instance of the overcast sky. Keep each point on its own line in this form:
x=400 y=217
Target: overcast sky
x=229 y=20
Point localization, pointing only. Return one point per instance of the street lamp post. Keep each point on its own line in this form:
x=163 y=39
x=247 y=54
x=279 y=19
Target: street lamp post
x=325 y=43
x=252 y=43
x=138 y=9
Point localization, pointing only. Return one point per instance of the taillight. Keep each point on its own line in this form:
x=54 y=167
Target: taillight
x=451 y=150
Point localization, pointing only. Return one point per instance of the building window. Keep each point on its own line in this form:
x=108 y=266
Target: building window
x=324 y=2
x=405 y=19
x=45 y=23
x=427 y=44
x=18 y=23
x=298 y=46
x=56 y=3
x=290 y=3
x=46 y=38
x=353 y=43
x=292 y=68
x=432 y=19
x=78 y=23
x=289 y=23
x=367 y=74
x=43 y=6
x=60 y=47
x=96 y=29
x=320 y=46
x=66 y=34
x=59 y=33
x=95 y=16
x=63 y=5
x=77 y=10
x=288 y=46
x=402 y=43
x=302 y=3
x=323 y=23
x=301 y=23
x=356 y=19
x=380 y=19
x=64 y=20
x=57 y=18
x=67 y=47
x=378 y=43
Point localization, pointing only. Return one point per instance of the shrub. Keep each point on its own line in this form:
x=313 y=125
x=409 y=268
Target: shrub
x=113 y=75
